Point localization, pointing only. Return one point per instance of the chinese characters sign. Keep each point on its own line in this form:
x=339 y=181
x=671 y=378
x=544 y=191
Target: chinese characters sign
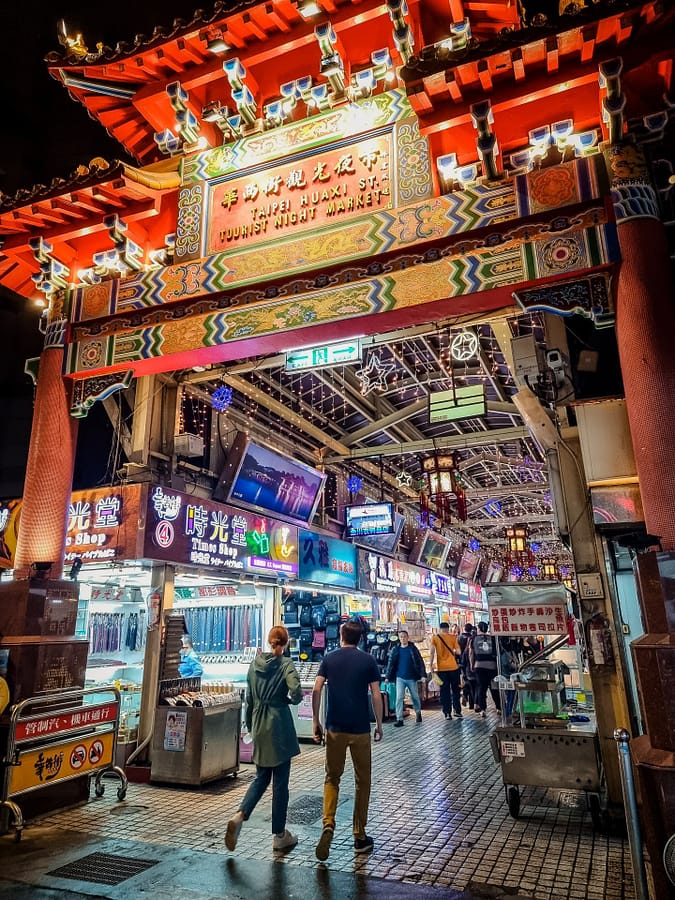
x=528 y=620
x=103 y=524
x=380 y=573
x=44 y=726
x=61 y=761
x=327 y=560
x=524 y=610
x=181 y=528
x=308 y=193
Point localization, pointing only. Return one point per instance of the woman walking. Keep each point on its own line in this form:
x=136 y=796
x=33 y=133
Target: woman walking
x=272 y=684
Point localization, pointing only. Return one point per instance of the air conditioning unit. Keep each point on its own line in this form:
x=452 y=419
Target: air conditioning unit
x=188 y=445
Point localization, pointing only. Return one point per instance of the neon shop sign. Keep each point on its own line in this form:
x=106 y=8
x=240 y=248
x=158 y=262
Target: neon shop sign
x=208 y=534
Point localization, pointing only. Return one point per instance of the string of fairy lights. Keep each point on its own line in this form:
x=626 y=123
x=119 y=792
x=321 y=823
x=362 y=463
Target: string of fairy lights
x=337 y=400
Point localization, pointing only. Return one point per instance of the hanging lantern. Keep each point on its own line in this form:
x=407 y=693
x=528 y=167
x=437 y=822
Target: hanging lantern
x=516 y=538
x=549 y=570
x=443 y=485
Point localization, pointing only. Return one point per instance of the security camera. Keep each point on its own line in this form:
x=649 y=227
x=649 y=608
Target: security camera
x=555 y=360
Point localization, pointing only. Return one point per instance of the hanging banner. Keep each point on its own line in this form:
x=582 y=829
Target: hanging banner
x=326 y=560
x=531 y=609
x=181 y=528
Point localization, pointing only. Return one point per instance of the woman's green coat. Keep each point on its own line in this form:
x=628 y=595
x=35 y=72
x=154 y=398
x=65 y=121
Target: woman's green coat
x=272 y=683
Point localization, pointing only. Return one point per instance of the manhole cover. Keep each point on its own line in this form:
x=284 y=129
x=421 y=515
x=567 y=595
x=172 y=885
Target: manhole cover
x=305 y=809
x=104 y=868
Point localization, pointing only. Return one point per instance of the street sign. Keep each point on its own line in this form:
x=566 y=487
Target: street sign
x=61 y=761
x=337 y=354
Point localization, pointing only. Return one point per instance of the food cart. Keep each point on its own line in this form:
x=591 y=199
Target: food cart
x=552 y=740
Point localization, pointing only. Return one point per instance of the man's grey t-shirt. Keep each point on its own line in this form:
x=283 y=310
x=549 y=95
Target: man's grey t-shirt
x=348 y=672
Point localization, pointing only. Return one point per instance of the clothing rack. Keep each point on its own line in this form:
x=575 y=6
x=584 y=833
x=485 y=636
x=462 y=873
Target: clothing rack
x=113 y=632
x=223 y=629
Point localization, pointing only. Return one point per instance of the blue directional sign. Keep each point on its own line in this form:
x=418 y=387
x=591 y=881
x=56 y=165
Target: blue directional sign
x=337 y=354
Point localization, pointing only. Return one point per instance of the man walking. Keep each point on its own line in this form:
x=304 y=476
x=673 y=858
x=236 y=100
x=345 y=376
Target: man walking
x=445 y=646
x=348 y=672
x=406 y=668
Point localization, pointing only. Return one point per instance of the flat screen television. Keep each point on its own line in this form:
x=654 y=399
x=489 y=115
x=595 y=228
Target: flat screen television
x=368 y=520
x=431 y=550
x=468 y=566
x=382 y=543
x=259 y=478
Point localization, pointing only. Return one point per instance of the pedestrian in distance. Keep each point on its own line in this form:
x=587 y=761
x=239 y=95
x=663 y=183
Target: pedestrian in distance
x=406 y=668
x=468 y=678
x=348 y=674
x=445 y=649
x=483 y=657
x=272 y=684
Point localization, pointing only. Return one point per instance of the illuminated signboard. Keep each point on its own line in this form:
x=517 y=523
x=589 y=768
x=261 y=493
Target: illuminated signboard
x=185 y=529
x=328 y=355
x=327 y=560
x=379 y=573
x=369 y=519
x=103 y=524
x=309 y=193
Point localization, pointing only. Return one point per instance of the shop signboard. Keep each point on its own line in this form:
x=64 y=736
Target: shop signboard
x=326 y=560
x=380 y=573
x=284 y=200
x=181 y=528
x=465 y=593
x=61 y=761
x=103 y=526
x=440 y=585
x=56 y=723
x=528 y=609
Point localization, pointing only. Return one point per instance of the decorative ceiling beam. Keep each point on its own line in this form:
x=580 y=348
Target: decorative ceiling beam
x=456 y=442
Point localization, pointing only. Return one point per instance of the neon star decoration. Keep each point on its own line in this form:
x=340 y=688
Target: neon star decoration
x=403 y=479
x=374 y=375
x=354 y=484
x=221 y=398
x=464 y=346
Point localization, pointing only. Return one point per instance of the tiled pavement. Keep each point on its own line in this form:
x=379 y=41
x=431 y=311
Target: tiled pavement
x=437 y=814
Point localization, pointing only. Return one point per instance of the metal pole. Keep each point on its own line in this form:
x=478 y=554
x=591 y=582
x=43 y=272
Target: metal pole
x=622 y=739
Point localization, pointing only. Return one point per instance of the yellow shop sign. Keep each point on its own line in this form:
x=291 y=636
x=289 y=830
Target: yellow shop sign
x=60 y=761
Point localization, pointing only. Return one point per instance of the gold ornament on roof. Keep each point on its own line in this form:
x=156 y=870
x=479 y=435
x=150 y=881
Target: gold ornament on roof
x=74 y=46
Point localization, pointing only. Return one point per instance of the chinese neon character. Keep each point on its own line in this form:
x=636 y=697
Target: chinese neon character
x=239 y=530
x=260 y=540
x=272 y=185
x=166 y=506
x=320 y=173
x=219 y=526
x=285 y=549
x=345 y=165
x=369 y=159
x=230 y=197
x=79 y=516
x=196 y=520
x=296 y=179
x=107 y=512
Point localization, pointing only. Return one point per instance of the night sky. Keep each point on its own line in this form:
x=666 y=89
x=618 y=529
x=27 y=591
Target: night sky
x=45 y=134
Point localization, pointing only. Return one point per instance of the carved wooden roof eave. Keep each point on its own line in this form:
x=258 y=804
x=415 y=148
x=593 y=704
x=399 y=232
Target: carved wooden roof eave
x=419 y=67
x=158 y=177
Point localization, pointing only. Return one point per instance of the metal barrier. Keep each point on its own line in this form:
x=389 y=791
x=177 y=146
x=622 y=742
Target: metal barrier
x=59 y=737
x=622 y=739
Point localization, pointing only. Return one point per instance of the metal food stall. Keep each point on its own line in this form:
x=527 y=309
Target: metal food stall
x=552 y=740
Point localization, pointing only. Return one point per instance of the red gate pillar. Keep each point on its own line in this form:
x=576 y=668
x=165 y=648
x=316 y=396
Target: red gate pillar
x=645 y=324
x=49 y=468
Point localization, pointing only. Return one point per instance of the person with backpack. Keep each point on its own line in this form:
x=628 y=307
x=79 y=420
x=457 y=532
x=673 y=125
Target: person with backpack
x=445 y=648
x=483 y=660
x=406 y=668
